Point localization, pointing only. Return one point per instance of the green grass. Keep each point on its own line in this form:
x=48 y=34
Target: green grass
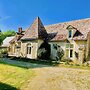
x=15 y=77
x=38 y=61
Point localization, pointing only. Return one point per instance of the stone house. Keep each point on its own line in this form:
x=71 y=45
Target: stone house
x=6 y=43
x=15 y=44
x=73 y=37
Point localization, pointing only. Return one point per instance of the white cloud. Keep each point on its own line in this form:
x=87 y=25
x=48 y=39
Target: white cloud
x=4 y=18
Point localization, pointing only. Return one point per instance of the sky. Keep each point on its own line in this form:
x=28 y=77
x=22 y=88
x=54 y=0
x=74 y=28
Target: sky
x=22 y=13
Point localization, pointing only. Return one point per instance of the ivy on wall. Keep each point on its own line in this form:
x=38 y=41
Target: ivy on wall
x=60 y=52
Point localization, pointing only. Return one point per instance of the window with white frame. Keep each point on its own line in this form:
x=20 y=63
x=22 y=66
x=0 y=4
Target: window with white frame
x=69 y=50
x=29 y=49
x=69 y=33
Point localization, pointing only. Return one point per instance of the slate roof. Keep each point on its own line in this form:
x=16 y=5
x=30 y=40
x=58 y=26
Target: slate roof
x=18 y=36
x=6 y=41
x=35 y=31
x=56 y=32
x=83 y=26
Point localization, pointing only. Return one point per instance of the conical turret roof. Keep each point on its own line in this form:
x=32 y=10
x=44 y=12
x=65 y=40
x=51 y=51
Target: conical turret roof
x=35 y=31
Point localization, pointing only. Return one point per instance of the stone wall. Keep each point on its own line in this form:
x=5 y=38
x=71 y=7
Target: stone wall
x=78 y=50
x=12 y=50
x=81 y=57
x=34 y=47
x=88 y=47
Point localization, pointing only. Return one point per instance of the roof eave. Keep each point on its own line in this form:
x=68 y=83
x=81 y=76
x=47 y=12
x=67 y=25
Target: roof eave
x=29 y=39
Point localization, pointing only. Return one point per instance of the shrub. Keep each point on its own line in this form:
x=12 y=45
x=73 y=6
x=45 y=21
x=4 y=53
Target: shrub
x=3 y=52
x=66 y=60
x=41 y=52
x=0 y=55
x=67 y=63
x=77 y=65
x=60 y=52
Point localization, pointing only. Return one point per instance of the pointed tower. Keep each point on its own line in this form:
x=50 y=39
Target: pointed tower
x=35 y=31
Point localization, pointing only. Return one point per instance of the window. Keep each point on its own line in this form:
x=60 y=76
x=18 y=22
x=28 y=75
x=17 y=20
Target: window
x=71 y=53
x=69 y=50
x=70 y=29
x=71 y=45
x=68 y=45
x=70 y=33
x=28 y=49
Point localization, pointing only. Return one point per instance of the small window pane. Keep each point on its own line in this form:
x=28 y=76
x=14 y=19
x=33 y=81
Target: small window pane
x=67 y=45
x=70 y=33
x=71 y=45
x=71 y=53
x=29 y=50
x=67 y=53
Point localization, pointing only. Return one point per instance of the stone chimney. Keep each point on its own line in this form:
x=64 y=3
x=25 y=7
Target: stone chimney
x=20 y=30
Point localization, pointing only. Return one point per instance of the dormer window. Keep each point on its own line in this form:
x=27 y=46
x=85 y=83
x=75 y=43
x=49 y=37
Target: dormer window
x=70 y=33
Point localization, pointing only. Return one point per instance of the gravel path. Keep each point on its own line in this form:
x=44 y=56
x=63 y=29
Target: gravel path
x=54 y=78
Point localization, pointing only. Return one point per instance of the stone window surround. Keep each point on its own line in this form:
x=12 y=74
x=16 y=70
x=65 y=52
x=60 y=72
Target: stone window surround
x=29 y=48
x=70 y=47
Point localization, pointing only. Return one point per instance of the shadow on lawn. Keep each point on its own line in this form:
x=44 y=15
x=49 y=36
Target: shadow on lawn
x=23 y=64
x=4 y=86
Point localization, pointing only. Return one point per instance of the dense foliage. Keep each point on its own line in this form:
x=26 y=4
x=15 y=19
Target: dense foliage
x=44 y=51
x=59 y=52
x=1 y=38
x=8 y=33
x=3 y=52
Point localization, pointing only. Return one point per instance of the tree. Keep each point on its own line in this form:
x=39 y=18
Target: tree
x=9 y=33
x=44 y=51
x=2 y=37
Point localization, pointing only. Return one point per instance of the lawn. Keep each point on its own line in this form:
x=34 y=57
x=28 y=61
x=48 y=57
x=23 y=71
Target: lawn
x=14 y=77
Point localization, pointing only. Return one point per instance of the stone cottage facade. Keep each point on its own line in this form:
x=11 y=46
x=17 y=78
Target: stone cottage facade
x=73 y=37
x=6 y=42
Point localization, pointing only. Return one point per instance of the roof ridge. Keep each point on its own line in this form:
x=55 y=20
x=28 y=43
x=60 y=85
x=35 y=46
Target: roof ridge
x=66 y=22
